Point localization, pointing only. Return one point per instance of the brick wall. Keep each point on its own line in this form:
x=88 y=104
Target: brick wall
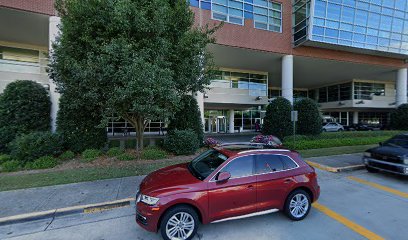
x=38 y=6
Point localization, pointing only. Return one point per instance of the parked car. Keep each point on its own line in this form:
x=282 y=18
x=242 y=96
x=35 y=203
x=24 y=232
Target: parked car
x=332 y=127
x=225 y=183
x=390 y=156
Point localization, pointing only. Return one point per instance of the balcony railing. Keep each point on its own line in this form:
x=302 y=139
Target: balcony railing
x=23 y=67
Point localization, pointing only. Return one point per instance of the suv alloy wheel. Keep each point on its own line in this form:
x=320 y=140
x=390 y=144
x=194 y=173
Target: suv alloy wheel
x=180 y=222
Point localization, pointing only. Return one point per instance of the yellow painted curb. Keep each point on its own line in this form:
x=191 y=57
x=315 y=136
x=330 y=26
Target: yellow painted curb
x=348 y=223
x=333 y=169
x=88 y=208
x=378 y=186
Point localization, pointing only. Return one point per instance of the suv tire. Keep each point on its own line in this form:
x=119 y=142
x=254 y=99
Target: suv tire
x=297 y=205
x=180 y=222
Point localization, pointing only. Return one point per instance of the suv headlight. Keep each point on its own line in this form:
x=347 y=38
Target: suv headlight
x=148 y=200
x=405 y=160
x=367 y=154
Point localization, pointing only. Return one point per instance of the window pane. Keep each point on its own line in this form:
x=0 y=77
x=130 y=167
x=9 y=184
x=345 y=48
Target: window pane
x=240 y=167
x=268 y=163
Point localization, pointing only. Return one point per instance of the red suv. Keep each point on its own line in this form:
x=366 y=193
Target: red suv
x=225 y=183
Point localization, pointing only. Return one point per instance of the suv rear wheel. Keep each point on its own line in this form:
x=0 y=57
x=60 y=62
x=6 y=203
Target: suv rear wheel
x=180 y=222
x=297 y=205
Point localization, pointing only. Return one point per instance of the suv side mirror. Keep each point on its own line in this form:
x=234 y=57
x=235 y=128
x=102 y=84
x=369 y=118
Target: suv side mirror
x=223 y=176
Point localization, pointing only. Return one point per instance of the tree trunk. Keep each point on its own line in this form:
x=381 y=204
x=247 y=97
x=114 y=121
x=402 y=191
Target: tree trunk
x=139 y=124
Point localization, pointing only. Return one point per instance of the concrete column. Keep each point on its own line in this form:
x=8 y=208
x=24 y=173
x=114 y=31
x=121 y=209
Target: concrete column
x=287 y=77
x=199 y=96
x=401 y=94
x=54 y=95
x=355 y=118
x=231 y=120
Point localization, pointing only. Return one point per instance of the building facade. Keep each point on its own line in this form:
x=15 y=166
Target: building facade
x=348 y=55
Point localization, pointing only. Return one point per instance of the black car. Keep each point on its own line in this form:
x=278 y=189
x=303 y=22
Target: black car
x=390 y=156
x=363 y=127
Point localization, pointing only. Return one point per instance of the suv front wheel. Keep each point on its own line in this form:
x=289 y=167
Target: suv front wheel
x=180 y=222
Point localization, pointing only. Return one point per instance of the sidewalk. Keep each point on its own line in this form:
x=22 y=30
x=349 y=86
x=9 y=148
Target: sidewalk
x=45 y=198
x=338 y=163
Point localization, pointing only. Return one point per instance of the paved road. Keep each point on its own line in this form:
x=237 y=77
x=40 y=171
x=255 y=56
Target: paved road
x=375 y=205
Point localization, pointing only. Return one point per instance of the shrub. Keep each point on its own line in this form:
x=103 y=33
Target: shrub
x=25 y=104
x=78 y=122
x=114 y=151
x=68 y=155
x=399 y=118
x=91 y=154
x=28 y=147
x=7 y=135
x=309 y=119
x=125 y=157
x=277 y=120
x=188 y=117
x=182 y=142
x=43 y=163
x=4 y=158
x=153 y=153
x=10 y=166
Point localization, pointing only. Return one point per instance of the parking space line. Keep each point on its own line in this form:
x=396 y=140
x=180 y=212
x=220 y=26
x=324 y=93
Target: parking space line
x=348 y=223
x=378 y=186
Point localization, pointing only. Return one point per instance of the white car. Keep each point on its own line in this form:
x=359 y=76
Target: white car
x=333 y=127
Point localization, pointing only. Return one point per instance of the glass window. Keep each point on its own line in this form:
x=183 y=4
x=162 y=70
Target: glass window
x=203 y=165
x=240 y=167
x=345 y=91
x=366 y=91
x=288 y=163
x=323 y=94
x=268 y=163
x=333 y=93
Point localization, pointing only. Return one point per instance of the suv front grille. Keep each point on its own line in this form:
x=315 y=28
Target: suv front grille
x=385 y=158
x=387 y=167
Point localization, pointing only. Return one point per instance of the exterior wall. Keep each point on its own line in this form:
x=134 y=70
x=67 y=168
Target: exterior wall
x=38 y=6
x=251 y=38
x=233 y=96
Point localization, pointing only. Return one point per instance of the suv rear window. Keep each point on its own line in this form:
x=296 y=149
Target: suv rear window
x=267 y=163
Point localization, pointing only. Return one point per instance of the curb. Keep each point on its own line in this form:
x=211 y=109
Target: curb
x=334 y=169
x=87 y=209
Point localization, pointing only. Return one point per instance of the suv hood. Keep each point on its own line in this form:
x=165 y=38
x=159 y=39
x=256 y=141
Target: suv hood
x=169 y=180
x=389 y=151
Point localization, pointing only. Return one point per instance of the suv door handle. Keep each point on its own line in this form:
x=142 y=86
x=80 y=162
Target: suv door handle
x=287 y=180
x=250 y=187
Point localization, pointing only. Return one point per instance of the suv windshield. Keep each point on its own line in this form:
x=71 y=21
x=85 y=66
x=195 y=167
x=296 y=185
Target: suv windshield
x=203 y=165
x=398 y=141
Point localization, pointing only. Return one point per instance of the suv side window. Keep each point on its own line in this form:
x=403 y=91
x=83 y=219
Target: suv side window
x=287 y=162
x=267 y=163
x=240 y=167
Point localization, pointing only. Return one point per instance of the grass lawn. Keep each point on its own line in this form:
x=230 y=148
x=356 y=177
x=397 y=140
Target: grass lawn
x=30 y=180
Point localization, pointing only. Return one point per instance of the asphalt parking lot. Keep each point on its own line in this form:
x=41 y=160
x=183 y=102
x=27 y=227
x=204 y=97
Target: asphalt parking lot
x=353 y=205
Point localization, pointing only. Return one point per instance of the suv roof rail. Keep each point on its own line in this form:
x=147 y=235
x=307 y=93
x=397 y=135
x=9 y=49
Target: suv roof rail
x=265 y=150
x=241 y=143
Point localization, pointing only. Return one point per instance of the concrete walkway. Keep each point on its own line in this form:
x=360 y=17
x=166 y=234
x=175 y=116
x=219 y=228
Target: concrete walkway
x=45 y=198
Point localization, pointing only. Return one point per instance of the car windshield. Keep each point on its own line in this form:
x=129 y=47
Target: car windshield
x=398 y=141
x=203 y=165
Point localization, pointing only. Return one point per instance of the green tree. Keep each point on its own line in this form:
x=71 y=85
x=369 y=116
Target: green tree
x=24 y=108
x=188 y=117
x=309 y=119
x=132 y=59
x=277 y=120
x=399 y=117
